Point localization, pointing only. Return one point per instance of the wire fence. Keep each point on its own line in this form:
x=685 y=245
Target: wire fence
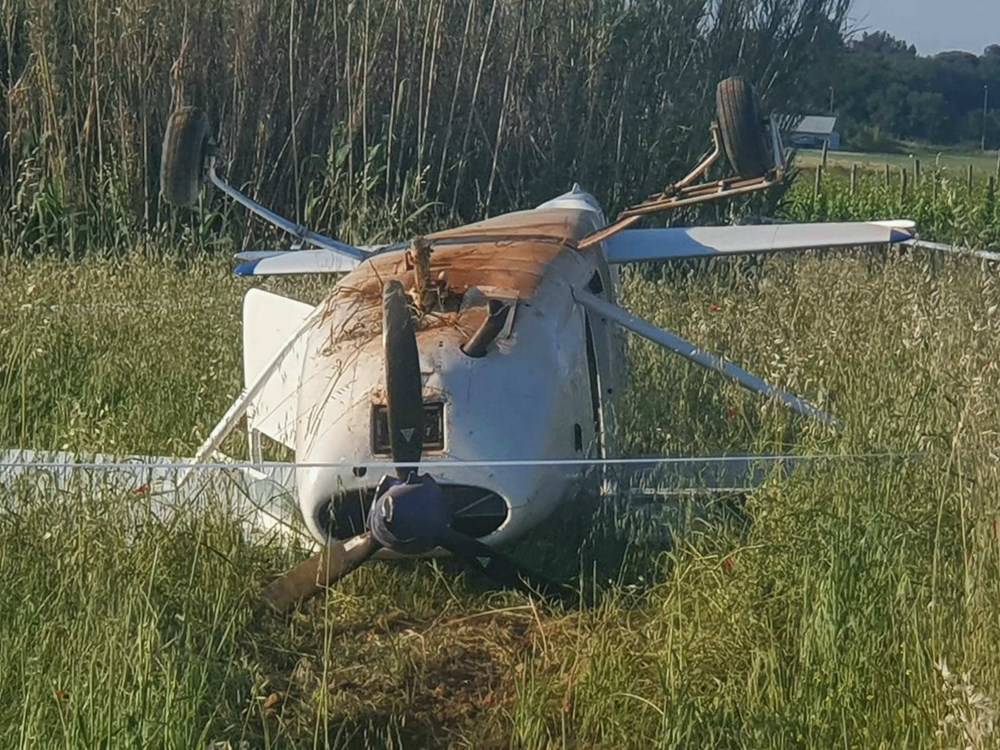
x=119 y=308
x=10 y=461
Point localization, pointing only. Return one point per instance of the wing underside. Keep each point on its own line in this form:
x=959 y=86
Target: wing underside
x=262 y=500
x=289 y=262
x=638 y=245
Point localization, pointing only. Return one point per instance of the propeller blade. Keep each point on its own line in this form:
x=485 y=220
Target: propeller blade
x=403 y=388
x=501 y=568
x=308 y=578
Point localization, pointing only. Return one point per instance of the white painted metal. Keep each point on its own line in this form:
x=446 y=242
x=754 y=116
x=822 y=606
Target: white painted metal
x=522 y=401
x=239 y=407
x=261 y=500
x=638 y=245
x=269 y=322
x=281 y=263
x=577 y=199
x=700 y=357
x=609 y=352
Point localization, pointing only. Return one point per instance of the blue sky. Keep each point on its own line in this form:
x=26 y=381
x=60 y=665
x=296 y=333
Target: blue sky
x=933 y=25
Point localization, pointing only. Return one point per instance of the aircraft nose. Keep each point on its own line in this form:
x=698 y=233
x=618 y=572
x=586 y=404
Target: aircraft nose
x=335 y=502
x=332 y=500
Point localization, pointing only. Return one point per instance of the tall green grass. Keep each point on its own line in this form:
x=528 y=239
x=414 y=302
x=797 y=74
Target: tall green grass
x=946 y=208
x=361 y=118
x=814 y=618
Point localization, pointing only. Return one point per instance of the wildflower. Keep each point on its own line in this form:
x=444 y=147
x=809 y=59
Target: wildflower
x=271 y=703
x=970 y=714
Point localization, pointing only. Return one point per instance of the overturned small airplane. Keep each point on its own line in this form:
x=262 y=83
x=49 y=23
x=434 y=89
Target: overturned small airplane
x=489 y=355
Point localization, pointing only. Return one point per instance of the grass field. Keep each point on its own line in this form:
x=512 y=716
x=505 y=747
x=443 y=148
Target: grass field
x=948 y=161
x=821 y=616
x=944 y=206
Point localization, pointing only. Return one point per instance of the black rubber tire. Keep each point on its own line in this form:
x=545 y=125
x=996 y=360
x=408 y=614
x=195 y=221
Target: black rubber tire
x=403 y=384
x=185 y=147
x=742 y=128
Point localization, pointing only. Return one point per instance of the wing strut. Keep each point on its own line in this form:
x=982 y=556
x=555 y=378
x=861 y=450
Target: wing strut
x=239 y=407
x=709 y=361
x=296 y=230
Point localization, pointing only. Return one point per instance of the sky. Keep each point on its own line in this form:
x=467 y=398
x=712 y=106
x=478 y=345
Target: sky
x=933 y=25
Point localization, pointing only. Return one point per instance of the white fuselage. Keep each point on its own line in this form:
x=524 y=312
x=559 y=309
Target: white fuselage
x=542 y=392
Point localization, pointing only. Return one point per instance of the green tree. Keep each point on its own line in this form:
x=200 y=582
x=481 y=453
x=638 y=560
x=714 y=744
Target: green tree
x=886 y=85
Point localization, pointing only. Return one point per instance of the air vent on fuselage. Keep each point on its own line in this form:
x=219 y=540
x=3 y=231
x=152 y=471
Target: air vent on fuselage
x=433 y=429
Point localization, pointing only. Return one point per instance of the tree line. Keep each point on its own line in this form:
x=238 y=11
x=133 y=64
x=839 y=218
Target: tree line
x=883 y=90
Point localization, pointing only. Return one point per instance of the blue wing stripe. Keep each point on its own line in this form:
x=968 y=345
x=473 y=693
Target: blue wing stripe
x=246 y=269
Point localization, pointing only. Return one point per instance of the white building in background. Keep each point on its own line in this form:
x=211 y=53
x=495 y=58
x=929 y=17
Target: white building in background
x=813 y=131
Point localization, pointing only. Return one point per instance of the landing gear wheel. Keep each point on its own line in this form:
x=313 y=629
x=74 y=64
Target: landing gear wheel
x=185 y=148
x=741 y=127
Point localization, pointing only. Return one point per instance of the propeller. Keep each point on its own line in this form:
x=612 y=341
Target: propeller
x=403 y=390
x=308 y=578
x=410 y=514
x=404 y=403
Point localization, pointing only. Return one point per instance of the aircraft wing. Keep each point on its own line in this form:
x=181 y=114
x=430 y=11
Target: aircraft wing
x=262 y=500
x=288 y=262
x=637 y=245
x=729 y=474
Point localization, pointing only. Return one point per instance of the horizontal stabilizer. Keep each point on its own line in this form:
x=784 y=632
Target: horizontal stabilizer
x=288 y=262
x=270 y=322
x=637 y=245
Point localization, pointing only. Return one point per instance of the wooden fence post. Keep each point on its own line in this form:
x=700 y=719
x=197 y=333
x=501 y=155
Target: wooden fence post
x=818 y=184
x=991 y=197
x=854 y=178
x=888 y=176
x=971 y=178
x=903 y=175
x=916 y=171
x=826 y=152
